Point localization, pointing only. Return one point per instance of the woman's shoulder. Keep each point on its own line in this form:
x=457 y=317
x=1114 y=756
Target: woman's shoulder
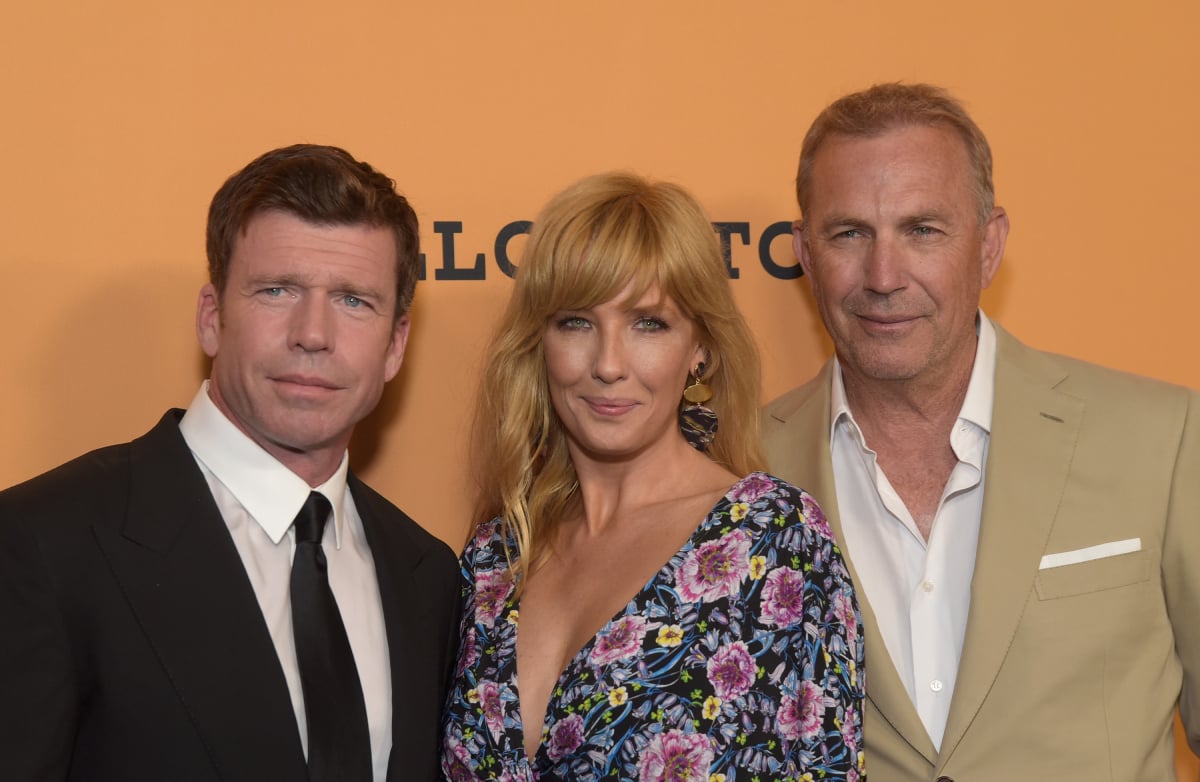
x=760 y=493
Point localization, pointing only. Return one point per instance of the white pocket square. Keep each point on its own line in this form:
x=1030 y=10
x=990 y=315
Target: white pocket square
x=1115 y=548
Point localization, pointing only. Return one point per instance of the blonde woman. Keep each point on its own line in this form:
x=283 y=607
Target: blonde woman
x=672 y=612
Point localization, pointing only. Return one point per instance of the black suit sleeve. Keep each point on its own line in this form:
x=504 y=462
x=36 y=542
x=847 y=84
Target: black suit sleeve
x=38 y=679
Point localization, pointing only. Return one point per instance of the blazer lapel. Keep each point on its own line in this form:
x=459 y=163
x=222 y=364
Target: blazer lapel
x=184 y=580
x=807 y=428
x=1034 y=432
x=398 y=590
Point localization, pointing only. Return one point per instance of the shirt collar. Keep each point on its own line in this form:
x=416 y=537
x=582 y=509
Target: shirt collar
x=981 y=388
x=270 y=492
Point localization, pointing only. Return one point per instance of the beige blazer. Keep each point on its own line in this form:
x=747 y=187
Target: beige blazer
x=1071 y=672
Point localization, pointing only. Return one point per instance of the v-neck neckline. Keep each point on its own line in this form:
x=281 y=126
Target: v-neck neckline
x=517 y=732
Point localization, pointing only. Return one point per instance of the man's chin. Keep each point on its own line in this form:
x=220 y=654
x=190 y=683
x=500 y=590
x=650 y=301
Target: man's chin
x=884 y=365
x=295 y=437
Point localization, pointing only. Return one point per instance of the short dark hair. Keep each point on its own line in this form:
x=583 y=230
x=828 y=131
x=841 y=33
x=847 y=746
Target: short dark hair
x=884 y=107
x=322 y=185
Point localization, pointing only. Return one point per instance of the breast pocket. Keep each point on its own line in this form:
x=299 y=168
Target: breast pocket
x=1094 y=576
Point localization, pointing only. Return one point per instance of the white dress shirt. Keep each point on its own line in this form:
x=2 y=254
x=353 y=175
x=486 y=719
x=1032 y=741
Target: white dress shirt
x=920 y=591
x=259 y=498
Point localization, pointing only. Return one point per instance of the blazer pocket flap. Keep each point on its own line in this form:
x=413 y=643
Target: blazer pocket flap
x=1093 y=575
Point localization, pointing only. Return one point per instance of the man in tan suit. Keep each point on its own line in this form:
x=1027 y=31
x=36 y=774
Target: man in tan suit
x=1019 y=524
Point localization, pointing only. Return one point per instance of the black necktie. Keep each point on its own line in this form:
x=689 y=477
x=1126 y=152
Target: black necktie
x=339 y=743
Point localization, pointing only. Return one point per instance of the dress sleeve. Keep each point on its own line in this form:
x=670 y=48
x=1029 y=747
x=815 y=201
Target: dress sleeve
x=819 y=721
x=469 y=735
x=468 y=563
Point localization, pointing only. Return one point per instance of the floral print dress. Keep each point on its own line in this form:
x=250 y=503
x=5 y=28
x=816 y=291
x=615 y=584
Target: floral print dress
x=741 y=660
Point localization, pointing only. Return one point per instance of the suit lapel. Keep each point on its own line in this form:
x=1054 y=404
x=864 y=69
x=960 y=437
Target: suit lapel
x=186 y=584
x=807 y=427
x=1034 y=432
x=394 y=564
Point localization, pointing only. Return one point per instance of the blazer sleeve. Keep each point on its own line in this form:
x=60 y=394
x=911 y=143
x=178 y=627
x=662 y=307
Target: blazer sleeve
x=1181 y=570
x=38 y=681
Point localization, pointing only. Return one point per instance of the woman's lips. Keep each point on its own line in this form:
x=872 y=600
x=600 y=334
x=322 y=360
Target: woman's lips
x=610 y=407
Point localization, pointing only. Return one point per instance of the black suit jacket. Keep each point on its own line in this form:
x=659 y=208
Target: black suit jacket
x=132 y=646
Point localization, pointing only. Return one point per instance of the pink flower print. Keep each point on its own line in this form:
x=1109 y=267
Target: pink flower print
x=843 y=609
x=565 y=737
x=623 y=638
x=456 y=761
x=492 y=588
x=814 y=516
x=848 y=734
x=731 y=671
x=715 y=569
x=468 y=654
x=752 y=487
x=783 y=597
x=493 y=709
x=485 y=532
x=675 y=756
x=800 y=715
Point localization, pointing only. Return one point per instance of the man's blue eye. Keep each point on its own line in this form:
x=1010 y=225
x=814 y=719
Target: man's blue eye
x=353 y=301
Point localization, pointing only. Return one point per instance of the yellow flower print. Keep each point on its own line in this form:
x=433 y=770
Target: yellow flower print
x=716 y=778
x=513 y=616
x=617 y=697
x=473 y=695
x=712 y=707
x=738 y=511
x=671 y=635
x=758 y=566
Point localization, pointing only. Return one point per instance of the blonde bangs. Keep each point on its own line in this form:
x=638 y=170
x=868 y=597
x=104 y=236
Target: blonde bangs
x=590 y=257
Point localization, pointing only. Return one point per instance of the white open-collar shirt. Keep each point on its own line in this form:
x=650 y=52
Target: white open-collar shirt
x=920 y=591
x=259 y=498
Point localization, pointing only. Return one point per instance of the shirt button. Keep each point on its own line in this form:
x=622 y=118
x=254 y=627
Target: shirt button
x=936 y=685
x=926 y=586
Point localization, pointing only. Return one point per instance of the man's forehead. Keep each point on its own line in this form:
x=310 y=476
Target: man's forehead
x=282 y=234
x=935 y=139
x=286 y=222
x=922 y=157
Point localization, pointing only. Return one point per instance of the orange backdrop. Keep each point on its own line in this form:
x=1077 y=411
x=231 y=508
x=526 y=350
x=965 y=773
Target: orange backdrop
x=121 y=119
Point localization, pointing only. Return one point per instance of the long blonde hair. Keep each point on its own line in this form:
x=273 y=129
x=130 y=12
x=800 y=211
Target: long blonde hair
x=593 y=239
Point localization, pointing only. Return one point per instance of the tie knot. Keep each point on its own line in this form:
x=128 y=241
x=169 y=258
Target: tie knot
x=310 y=521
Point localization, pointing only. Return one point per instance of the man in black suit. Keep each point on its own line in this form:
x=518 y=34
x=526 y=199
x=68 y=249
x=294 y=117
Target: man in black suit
x=155 y=622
